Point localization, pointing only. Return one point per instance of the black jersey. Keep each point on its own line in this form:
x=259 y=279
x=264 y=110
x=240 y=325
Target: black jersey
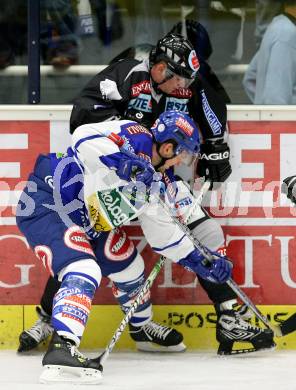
x=125 y=90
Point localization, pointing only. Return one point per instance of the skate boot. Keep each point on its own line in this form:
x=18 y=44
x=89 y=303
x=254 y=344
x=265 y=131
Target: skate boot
x=231 y=328
x=39 y=332
x=153 y=337
x=63 y=363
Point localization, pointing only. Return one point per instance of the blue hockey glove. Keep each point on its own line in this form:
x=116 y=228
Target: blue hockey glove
x=136 y=168
x=217 y=271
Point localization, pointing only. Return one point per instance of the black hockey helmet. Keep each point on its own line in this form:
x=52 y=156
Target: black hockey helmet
x=197 y=36
x=179 y=55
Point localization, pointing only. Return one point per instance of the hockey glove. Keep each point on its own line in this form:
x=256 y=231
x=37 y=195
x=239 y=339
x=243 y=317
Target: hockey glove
x=289 y=188
x=138 y=169
x=214 y=163
x=217 y=271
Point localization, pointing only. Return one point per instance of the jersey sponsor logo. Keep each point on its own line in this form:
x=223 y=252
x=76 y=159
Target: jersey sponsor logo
x=112 y=203
x=142 y=102
x=143 y=86
x=109 y=90
x=184 y=202
x=76 y=239
x=210 y=115
x=176 y=104
x=170 y=186
x=49 y=181
x=182 y=93
x=61 y=155
x=98 y=222
x=185 y=126
x=44 y=254
x=114 y=208
x=118 y=246
x=138 y=129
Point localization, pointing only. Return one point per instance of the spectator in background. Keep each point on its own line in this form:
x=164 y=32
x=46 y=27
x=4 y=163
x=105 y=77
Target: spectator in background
x=109 y=21
x=271 y=75
x=266 y=10
x=13 y=31
x=59 y=43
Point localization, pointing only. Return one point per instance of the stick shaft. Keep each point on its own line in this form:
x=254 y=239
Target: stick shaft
x=232 y=284
x=150 y=279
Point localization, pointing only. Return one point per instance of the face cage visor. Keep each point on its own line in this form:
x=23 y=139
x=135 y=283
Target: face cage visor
x=184 y=81
x=187 y=157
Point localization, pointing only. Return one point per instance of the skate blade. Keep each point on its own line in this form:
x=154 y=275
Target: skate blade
x=152 y=347
x=66 y=374
x=247 y=351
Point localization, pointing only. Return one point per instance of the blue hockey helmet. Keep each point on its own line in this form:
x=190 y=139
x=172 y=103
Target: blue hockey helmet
x=178 y=127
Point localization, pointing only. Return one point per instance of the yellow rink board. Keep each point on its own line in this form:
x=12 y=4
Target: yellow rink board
x=196 y=322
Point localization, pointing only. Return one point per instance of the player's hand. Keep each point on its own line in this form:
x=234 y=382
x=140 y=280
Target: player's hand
x=136 y=169
x=214 y=163
x=218 y=270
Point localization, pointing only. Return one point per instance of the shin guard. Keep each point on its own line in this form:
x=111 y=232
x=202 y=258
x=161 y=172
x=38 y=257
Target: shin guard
x=71 y=306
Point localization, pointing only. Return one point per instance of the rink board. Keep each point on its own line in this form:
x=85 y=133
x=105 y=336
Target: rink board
x=197 y=323
x=259 y=226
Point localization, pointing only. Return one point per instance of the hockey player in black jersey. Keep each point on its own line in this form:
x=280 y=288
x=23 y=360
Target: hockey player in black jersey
x=169 y=79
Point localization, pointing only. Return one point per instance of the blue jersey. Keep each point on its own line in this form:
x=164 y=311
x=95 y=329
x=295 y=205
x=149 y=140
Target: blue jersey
x=87 y=188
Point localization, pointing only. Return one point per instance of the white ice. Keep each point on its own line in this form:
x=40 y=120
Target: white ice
x=186 y=371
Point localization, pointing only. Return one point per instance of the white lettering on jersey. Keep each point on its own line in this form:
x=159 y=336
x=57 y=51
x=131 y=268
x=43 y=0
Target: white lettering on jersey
x=142 y=102
x=210 y=115
x=176 y=104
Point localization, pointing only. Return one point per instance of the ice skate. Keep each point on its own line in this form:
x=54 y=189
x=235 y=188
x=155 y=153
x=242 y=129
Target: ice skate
x=232 y=328
x=39 y=332
x=153 y=337
x=63 y=363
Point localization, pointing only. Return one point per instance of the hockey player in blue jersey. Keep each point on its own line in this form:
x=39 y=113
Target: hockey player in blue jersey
x=90 y=196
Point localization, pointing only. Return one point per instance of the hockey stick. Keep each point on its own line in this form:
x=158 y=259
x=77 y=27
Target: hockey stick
x=202 y=249
x=286 y=327
x=209 y=258
x=146 y=287
x=155 y=271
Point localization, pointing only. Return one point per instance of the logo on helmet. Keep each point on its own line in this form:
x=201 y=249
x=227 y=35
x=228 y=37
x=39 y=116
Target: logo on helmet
x=193 y=61
x=185 y=126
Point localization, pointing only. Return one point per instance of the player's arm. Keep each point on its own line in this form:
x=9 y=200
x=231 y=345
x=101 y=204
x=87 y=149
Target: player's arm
x=166 y=238
x=103 y=98
x=210 y=112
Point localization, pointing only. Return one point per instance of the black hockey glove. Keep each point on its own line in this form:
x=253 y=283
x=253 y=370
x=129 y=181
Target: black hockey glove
x=289 y=188
x=214 y=163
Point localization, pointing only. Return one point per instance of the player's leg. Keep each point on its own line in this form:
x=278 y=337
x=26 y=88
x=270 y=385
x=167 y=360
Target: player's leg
x=67 y=254
x=231 y=319
x=121 y=262
x=41 y=329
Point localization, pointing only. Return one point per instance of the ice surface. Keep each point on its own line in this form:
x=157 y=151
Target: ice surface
x=184 y=371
